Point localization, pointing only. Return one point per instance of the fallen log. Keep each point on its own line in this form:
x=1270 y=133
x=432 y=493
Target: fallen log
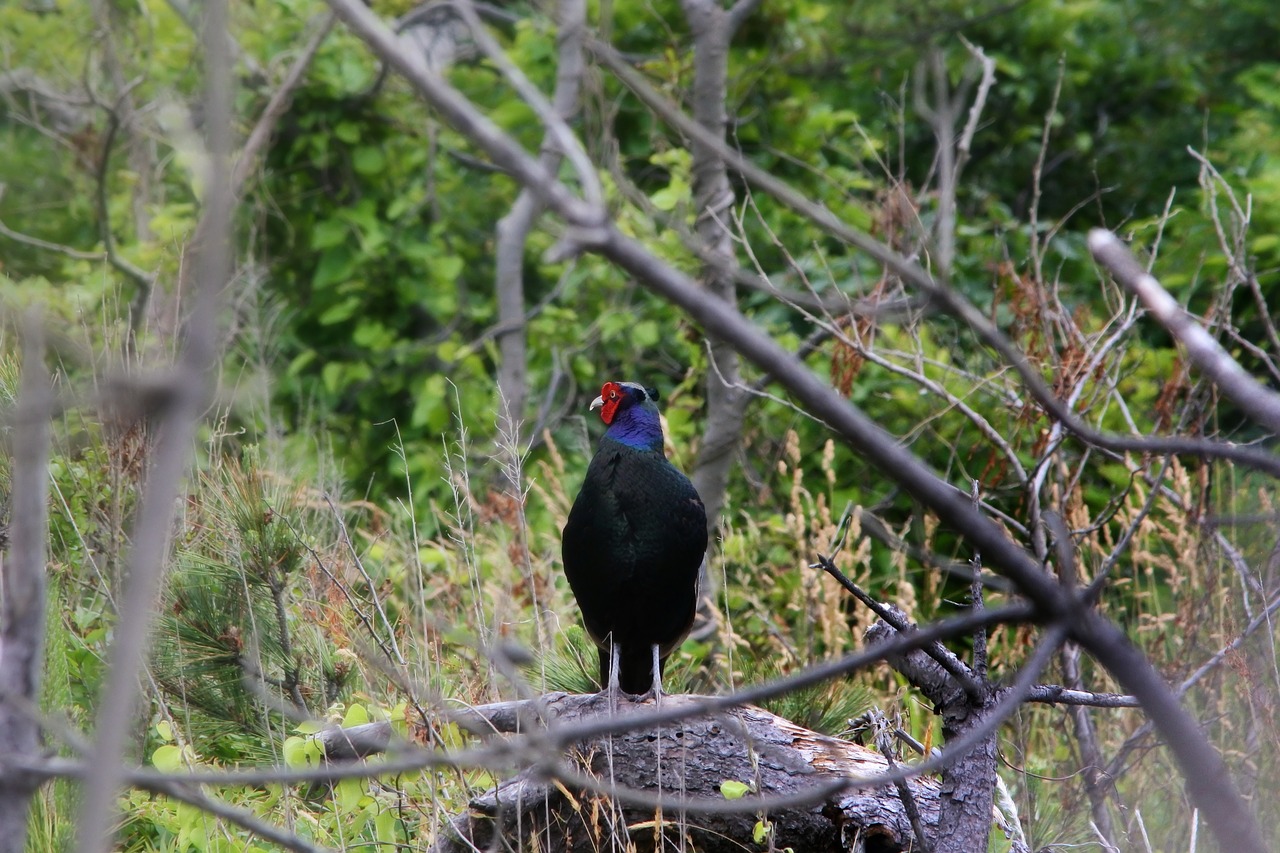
x=651 y=787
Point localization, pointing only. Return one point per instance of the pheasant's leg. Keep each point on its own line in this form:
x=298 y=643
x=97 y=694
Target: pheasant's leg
x=615 y=665
x=657 y=677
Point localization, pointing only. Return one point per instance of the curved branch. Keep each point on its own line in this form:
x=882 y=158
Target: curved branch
x=1255 y=400
x=242 y=818
x=554 y=118
x=277 y=105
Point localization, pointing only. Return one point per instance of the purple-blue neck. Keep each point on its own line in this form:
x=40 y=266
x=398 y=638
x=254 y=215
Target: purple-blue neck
x=637 y=427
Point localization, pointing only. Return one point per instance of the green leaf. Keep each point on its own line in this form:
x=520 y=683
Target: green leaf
x=451 y=736
x=732 y=789
x=673 y=194
x=329 y=233
x=372 y=335
x=347 y=131
x=513 y=115
x=646 y=334
x=350 y=792
x=340 y=311
x=167 y=759
x=357 y=715
x=369 y=161
x=430 y=410
x=332 y=376
x=336 y=266
x=385 y=827
x=302 y=752
x=446 y=269
x=300 y=362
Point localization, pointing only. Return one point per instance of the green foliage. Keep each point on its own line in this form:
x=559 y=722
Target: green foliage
x=228 y=636
x=572 y=667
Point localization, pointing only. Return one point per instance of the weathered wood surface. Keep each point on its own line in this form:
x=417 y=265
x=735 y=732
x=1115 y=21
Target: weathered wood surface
x=685 y=763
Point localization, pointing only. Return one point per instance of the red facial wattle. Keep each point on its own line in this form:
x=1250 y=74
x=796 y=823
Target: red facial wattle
x=610 y=399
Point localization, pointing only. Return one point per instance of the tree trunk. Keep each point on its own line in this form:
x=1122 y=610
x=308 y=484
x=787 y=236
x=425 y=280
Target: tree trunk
x=969 y=779
x=713 y=28
x=22 y=596
x=513 y=232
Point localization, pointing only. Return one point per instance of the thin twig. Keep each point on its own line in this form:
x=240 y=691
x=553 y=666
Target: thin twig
x=885 y=745
x=1037 y=175
x=242 y=818
x=277 y=105
x=553 y=120
x=943 y=656
x=1255 y=400
x=373 y=588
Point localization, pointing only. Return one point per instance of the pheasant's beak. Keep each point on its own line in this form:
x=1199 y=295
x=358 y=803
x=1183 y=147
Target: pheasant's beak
x=596 y=403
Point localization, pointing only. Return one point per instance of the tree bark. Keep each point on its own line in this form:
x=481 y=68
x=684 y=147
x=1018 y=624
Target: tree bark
x=514 y=228
x=713 y=28
x=22 y=598
x=686 y=763
x=969 y=781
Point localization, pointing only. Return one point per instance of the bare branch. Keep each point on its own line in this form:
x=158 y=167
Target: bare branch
x=559 y=135
x=1090 y=752
x=141 y=279
x=955 y=667
x=988 y=66
x=713 y=200
x=177 y=427
x=1037 y=174
x=460 y=113
x=389 y=646
x=1259 y=403
x=1053 y=694
x=740 y=11
x=884 y=743
x=277 y=105
x=242 y=818
x=941 y=115
x=27 y=240
x=1262 y=619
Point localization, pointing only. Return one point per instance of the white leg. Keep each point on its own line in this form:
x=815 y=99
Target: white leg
x=657 y=677
x=615 y=664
